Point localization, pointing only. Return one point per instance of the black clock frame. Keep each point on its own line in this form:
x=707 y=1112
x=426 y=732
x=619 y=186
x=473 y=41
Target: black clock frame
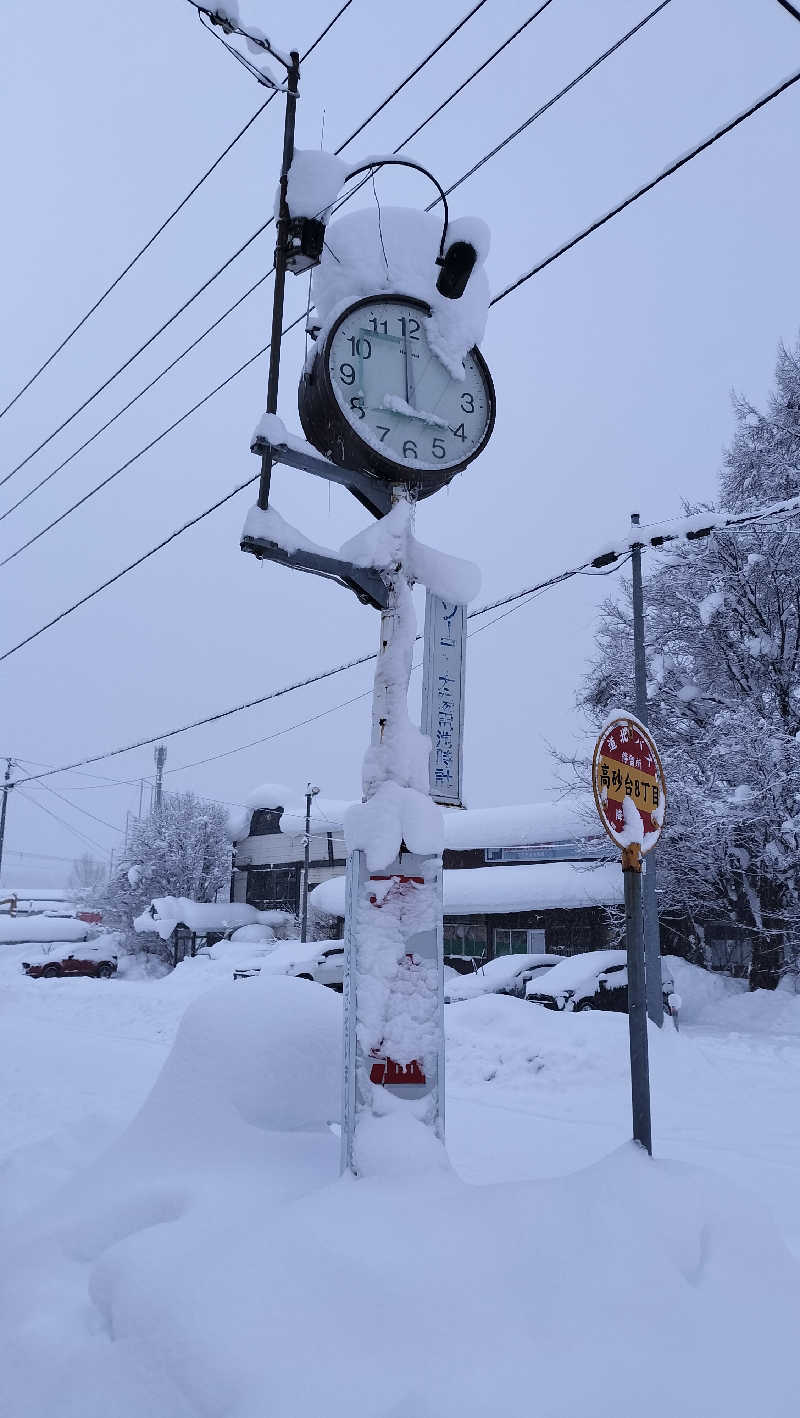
x=326 y=427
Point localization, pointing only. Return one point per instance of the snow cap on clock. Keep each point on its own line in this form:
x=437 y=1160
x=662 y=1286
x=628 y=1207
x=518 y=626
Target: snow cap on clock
x=393 y=252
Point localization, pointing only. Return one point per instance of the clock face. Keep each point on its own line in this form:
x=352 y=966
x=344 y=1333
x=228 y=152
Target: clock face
x=397 y=395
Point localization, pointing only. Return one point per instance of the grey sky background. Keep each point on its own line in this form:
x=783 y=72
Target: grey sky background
x=613 y=368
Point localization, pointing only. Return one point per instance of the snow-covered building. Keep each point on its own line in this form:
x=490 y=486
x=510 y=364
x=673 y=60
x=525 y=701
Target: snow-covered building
x=269 y=844
x=516 y=879
x=187 y=924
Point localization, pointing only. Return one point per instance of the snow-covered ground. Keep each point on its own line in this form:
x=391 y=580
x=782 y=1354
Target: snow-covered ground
x=185 y=1250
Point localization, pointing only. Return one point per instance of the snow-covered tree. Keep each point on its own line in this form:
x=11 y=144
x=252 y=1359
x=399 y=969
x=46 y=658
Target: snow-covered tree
x=182 y=850
x=723 y=656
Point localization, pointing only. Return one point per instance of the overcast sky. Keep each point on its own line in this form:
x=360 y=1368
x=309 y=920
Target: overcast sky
x=613 y=368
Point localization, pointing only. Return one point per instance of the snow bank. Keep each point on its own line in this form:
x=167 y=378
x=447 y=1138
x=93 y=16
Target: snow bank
x=16 y=929
x=543 y=886
x=298 y=1296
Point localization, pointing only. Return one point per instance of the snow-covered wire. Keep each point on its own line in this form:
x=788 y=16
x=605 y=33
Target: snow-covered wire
x=165 y=223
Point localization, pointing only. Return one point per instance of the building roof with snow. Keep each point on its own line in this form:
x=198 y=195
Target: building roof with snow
x=500 y=890
x=523 y=824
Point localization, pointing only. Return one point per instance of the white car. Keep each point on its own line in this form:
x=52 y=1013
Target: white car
x=505 y=975
x=327 y=968
x=322 y=961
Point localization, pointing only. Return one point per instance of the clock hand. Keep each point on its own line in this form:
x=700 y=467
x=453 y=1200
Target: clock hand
x=409 y=371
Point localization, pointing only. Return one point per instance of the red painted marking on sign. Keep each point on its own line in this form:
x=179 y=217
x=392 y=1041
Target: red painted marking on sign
x=386 y=1071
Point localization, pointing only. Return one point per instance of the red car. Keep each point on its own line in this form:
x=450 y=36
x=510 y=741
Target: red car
x=88 y=960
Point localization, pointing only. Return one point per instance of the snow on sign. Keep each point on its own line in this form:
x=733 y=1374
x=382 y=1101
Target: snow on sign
x=628 y=781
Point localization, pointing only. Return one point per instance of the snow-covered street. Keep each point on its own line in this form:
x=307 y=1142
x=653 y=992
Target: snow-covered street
x=535 y=1100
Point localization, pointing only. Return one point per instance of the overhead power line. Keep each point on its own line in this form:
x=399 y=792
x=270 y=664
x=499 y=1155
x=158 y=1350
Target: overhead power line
x=141 y=393
x=171 y=217
x=102 y=821
x=236 y=254
x=457 y=183
x=666 y=172
x=687 y=529
x=69 y=826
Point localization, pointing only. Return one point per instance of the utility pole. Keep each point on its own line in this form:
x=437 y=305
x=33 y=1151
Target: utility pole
x=652 y=938
x=6 y=790
x=310 y=793
x=282 y=236
x=160 y=756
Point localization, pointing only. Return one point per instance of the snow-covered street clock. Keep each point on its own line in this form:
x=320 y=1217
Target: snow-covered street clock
x=378 y=398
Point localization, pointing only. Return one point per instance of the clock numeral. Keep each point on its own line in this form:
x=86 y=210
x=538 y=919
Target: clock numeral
x=409 y=327
x=357 y=405
x=459 y=433
x=347 y=374
x=362 y=348
x=409 y=448
x=379 y=325
x=383 y=431
x=467 y=403
x=439 y=450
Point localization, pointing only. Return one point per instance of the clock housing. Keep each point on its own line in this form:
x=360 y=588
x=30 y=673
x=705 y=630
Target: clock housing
x=379 y=399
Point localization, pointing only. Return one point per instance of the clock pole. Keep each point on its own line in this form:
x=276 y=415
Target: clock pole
x=282 y=237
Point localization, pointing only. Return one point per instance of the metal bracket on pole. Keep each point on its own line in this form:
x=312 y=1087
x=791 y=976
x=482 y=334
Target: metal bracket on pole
x=373 y=494
x=367 y=585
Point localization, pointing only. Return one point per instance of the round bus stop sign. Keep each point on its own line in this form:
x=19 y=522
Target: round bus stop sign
x=628 y=781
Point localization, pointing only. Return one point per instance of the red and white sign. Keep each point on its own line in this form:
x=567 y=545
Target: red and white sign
x=626 y=765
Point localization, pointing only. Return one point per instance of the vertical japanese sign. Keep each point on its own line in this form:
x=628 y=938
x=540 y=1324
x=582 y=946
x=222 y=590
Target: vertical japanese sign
x=443 y=695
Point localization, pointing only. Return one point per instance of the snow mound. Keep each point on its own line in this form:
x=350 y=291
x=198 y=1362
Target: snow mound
x=266 y=1052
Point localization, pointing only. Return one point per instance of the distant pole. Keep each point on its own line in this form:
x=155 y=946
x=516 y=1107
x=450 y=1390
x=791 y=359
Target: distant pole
x=160 y=756
x=637 y=1013
x=310 y=793
x=279 y=284
x=4 y=807
x=141 y=794
x=652 y=935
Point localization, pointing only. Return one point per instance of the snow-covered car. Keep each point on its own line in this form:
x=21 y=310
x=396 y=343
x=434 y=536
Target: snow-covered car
x=505 y=975
x=89 y=960
x=596 y=979
x=305 y=962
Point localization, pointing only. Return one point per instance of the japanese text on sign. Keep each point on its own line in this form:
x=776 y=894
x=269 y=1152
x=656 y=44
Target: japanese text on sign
x=626 y=765
x=443 y=695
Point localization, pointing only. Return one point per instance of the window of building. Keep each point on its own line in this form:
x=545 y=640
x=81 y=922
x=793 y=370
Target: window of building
x=542 y=852
x=274 y=888
x=467 y=940
x=518 y=942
